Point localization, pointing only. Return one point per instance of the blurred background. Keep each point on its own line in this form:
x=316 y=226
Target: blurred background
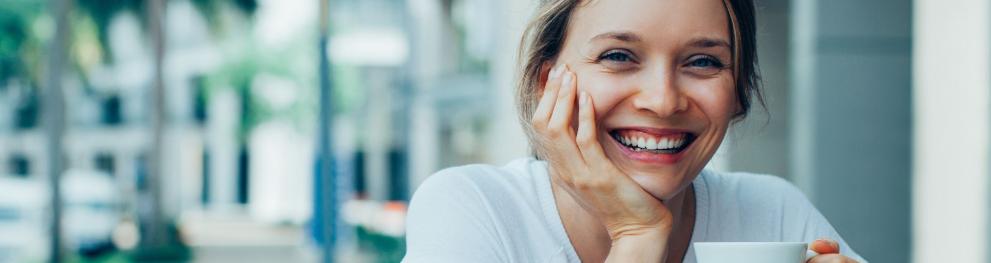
x=297 y=130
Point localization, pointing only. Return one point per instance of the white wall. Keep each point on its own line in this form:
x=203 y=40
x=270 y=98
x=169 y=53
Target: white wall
x=952 y=114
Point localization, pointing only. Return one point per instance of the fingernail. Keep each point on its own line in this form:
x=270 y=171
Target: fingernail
x=567 y=80
x=583 y=99
x=556 y=71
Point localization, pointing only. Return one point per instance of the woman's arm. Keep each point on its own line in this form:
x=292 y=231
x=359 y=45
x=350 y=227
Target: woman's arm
x=639 y=248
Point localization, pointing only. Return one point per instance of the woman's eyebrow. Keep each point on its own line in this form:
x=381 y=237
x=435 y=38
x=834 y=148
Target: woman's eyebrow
x=625 y=36
x=707 y=42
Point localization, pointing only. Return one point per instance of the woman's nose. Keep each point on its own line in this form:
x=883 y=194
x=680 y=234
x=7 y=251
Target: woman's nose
x=661 y=95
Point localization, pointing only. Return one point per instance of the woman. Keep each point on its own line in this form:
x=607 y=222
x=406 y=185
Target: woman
x=624 y=101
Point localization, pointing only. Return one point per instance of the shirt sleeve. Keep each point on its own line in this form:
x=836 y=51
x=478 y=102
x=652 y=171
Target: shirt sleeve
x=449 y=221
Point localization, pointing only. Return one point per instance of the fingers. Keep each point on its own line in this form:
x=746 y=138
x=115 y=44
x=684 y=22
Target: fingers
x=825 y=246
x=586 y=137
x=565 y=105
x=588 y=142
x=828 y=250
x=558 y=138
x=591 y=151
x=831 y=258
x=546 y=105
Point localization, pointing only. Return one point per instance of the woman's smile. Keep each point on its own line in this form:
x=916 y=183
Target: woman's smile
x=652 y=145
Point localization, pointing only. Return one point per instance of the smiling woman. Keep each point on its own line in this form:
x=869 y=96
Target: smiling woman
x=624 y=103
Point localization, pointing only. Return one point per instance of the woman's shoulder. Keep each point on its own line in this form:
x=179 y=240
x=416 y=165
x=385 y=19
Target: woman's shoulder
x=514 y=181
x=750 y=187
x=487 y=176
x=483 y=213
x=746 y=181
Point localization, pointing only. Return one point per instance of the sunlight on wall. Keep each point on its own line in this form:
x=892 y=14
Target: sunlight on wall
x=951 y=130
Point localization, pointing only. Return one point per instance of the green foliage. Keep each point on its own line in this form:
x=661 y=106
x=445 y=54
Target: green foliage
x=387 y=249
x=102 y=13
x=210 y=9
x=245 y=61
x=26 y=25
x=20 y=49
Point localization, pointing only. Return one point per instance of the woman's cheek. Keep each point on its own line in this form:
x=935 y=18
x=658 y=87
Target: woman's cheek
x=718 y=99
x=605 y=93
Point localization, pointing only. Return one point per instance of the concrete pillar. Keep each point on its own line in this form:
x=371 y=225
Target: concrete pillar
x=428 y=60
x=852 y=119
x=224 y=116
x=951 y=103
x=183 y=168
x=378 y=132
x=281 y=173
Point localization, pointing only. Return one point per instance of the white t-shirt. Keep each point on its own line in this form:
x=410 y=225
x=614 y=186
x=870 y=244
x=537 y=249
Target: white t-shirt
x=485 y=213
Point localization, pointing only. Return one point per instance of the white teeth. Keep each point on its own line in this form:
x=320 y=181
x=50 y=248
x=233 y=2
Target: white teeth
x=652 y=143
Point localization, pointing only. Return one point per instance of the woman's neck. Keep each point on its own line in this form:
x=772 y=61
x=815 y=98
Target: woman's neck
x=591 y=241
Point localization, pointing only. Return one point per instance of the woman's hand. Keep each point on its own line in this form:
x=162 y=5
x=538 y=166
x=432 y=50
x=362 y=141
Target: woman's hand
x=829 y=252
x=629 y=214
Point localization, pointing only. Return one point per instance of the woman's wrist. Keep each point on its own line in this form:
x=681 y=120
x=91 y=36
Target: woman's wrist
x=660 y=228
x=647 y=245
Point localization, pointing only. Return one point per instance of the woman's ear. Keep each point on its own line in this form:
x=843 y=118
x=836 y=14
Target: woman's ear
x=545 y=70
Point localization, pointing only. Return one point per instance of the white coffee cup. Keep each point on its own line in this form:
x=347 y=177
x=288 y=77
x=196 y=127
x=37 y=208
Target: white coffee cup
x=752 y=252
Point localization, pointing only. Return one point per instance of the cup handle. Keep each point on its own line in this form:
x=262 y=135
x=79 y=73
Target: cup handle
x=809 y=254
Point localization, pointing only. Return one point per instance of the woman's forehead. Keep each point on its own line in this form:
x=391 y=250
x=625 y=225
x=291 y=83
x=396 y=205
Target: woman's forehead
x=682 y=21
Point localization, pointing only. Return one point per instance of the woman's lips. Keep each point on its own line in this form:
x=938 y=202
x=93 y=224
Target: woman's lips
x=656 y=146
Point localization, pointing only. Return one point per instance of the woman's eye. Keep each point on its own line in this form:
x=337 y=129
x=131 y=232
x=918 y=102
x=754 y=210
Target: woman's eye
x=617 y=60
x=616 y=56
x=706 y=62
x=705 y=65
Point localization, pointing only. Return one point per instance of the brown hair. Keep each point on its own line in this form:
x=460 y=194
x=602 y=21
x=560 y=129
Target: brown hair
x=545 y=35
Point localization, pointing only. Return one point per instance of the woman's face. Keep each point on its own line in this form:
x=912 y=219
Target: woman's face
x=661 y=78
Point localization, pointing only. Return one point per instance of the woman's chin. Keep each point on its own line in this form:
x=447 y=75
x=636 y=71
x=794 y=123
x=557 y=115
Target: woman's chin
x=662 y=187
